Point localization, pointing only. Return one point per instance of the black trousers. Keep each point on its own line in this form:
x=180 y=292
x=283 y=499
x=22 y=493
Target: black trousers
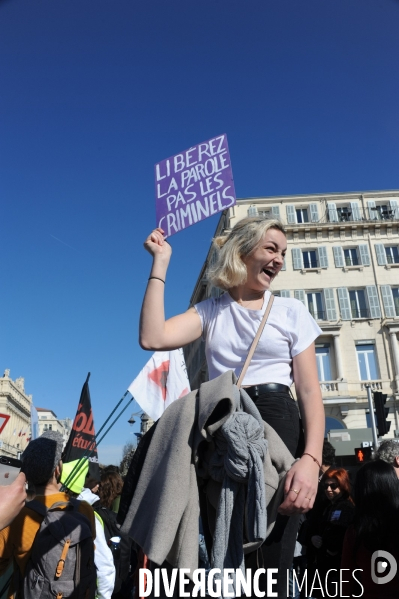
x=280 y=411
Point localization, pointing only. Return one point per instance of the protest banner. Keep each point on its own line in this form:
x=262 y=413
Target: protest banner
x=81 y=443
x=194 y=185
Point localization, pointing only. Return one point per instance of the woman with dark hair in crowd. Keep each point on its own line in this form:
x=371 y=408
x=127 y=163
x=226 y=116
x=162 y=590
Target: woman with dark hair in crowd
x=375 y=528
x=111 y=485
x=331 y=528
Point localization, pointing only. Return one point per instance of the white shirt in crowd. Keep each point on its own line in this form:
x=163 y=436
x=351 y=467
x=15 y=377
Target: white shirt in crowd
x=103 y=557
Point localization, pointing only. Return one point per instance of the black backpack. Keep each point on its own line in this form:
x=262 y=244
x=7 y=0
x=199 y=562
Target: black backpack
x=122 y=555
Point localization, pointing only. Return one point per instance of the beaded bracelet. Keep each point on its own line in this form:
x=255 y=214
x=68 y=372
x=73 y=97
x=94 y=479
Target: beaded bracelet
x=149 y=278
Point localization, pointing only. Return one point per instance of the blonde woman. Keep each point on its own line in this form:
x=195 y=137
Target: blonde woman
x=250 y=256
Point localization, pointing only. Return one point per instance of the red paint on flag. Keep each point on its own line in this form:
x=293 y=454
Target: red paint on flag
x=160 y=376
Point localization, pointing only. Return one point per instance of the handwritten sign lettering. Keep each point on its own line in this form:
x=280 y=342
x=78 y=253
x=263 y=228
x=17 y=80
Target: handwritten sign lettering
x=194 y=185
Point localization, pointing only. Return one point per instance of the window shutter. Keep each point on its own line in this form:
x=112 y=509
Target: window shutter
x=252 y=211
x=344 y=303
x=338 y=256
x=372 y=213
x=332 y=212
x=323 y=258
x=297 y=259
x=299 y=294
x=285 y=293
x=314 y=213
x=380 y=253
x=355 y=211
x=374 y=304
x=387 y=300
x=291 y=214
x=276 y=212
x=393 y=205
x=364 y=254
x=284 y=267
x=330 y=304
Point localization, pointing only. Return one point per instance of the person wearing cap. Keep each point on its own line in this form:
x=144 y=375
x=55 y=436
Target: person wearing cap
x=42 y=465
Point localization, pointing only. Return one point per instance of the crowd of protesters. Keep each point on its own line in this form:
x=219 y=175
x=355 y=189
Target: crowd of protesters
x=342 y=531
x=70 y=541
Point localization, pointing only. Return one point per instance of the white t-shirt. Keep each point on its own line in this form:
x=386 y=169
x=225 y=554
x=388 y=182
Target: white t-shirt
x=229 y=329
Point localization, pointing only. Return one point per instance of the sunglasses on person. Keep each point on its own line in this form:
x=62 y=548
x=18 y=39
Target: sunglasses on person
x=332 y=486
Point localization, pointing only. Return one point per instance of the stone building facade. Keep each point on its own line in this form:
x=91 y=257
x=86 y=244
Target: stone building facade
x=15 y=415
x=48 y=421
x=342 y=262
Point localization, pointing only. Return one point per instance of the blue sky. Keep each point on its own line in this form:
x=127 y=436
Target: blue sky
x=94 y=92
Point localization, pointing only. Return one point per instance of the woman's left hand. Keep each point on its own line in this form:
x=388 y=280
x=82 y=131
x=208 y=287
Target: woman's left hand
x=300 y=487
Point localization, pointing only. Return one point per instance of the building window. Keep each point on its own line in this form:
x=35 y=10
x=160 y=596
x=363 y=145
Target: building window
x=323 y=362
x=367 y=362
x=50 y=427
x=310 y=259
x=351 y=257
x=380 y=211
x=344 y=213
x=315 y=305
x=392 y=254
x=359 y=308
x=302 y=215
x=45 y=427
x=395 y=295
x=359 y=303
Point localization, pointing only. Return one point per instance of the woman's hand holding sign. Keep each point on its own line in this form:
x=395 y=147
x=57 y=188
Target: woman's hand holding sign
x=157 y=245
x=155 y=332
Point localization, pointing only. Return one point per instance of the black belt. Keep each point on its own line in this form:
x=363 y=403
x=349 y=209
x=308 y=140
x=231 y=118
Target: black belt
x=255 y=390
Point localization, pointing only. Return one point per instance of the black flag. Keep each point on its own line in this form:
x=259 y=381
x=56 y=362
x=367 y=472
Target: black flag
x=80 y=457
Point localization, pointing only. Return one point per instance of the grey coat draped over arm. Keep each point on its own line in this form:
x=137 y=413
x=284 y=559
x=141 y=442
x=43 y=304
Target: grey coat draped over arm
x=164 y=512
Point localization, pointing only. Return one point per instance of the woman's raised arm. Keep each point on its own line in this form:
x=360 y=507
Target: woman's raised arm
x=155 y=332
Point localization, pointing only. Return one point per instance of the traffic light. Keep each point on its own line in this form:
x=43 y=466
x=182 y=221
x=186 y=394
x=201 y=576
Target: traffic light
x=363 y=454
x=381 y=413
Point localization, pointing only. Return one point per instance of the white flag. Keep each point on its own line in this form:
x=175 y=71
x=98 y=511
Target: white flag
x=162 y=380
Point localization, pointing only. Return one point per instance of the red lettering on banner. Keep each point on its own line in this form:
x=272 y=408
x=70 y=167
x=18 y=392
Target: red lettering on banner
x=80 y=422
x=89 y=428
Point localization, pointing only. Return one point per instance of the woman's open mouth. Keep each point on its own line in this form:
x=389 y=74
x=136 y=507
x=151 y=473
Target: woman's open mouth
x=270 y=273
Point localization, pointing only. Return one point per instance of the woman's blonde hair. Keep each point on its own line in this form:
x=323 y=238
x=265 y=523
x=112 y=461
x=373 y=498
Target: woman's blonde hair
x=229 y=270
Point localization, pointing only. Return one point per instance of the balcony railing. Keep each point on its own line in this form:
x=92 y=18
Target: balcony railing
x=360 y=313
x=375 y=385
x=328 y=385
x=318 y=314
x=368 y=215
x=354 y=261
x=310 y=262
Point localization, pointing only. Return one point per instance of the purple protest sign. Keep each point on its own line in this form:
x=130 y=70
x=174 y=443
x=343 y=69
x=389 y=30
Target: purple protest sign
x=194 y=185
